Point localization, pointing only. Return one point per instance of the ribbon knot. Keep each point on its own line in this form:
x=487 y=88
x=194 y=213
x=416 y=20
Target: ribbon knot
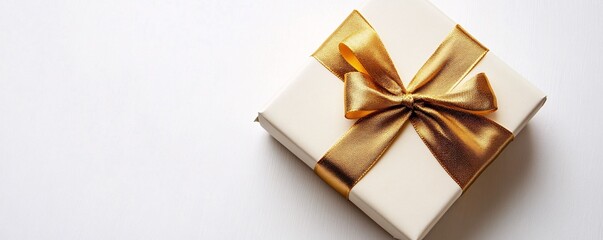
x=445 y=109
x=408 y=101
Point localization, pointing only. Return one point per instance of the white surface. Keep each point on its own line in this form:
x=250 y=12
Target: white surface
x=407 y=191
x=132 y=120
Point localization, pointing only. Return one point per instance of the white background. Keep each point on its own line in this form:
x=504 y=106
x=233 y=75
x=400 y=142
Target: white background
x=133 y=120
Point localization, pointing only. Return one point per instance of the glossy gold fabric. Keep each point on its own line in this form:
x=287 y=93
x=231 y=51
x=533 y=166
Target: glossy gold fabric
x=445 y=111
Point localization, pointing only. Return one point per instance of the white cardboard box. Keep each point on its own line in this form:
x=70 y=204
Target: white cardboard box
x=407 y=191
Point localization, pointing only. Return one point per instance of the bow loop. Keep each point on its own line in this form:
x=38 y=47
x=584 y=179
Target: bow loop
x=472 y=96
x=362 y=97
x=364 y=51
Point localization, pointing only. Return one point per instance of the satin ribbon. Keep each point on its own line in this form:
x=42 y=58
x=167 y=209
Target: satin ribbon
x=446 y=112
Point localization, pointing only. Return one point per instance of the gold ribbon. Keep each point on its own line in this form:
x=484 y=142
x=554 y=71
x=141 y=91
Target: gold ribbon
x=446 y=112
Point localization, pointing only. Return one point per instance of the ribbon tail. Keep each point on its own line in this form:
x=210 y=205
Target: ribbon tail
x=357 y=151
x=464 y=144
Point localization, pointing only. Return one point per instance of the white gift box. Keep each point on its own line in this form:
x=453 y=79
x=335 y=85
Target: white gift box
x=407 y=191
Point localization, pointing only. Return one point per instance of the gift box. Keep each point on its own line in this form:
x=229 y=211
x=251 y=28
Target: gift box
x=400 y=110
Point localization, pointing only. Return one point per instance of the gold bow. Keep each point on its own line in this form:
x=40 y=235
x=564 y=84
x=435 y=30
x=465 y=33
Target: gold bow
x=445 y=111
